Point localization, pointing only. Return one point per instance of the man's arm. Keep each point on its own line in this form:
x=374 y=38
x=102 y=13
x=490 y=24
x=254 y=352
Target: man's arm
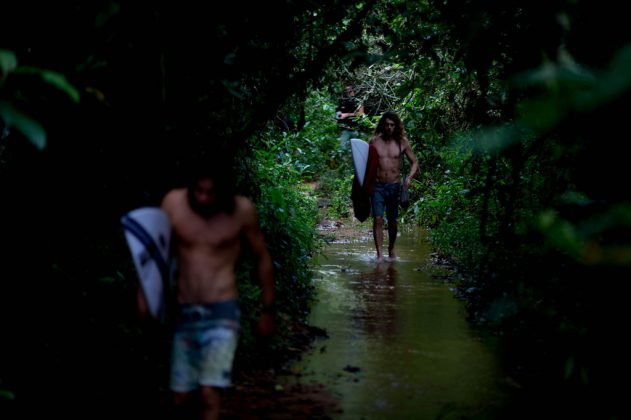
x=410 y=154
x=264 y=268
x=360 y=111
x=141 y=303
x=357 y=113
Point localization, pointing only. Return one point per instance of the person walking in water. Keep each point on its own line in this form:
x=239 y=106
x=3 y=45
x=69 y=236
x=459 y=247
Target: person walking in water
x=390 y=143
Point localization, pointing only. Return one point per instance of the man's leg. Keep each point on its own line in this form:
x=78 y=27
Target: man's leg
x=217 y=354
x=210 y=403
x=182 y=384
x=378 y=203
x=377 y=232
x=392 y=238
x=182 y=406
x=345 y=138
x=392 y=213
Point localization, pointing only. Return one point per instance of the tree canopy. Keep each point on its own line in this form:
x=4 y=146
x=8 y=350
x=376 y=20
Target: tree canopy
x=515 y=110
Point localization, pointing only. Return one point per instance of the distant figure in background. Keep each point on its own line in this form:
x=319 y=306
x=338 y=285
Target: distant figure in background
x=210 y=227
x=349 y=109
x=390 y=143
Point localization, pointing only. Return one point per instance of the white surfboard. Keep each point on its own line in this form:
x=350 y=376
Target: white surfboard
x=359 y=149
x=148 y=234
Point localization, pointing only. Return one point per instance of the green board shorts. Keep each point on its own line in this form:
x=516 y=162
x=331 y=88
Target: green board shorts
x=204 y=344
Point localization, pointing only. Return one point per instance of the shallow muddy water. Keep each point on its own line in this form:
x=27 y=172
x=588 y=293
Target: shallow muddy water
x=399 y=345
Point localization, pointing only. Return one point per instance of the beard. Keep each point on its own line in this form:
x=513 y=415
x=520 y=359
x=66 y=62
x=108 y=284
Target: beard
x=222 y=204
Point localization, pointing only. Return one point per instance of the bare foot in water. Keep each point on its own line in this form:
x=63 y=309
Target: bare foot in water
x=379 y=259
x=392 y=256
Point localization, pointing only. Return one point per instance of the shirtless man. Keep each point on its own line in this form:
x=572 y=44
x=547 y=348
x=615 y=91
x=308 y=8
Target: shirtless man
x=209 y=224
x=390 y=143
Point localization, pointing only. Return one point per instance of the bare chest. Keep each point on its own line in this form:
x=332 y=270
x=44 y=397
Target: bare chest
x=219 y=232
x=388 y=150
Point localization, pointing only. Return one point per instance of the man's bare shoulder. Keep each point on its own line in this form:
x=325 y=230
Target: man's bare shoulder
x=242 y=200
x=245 y=210
x=244 y=205
x=173 y=197
x=375 y=139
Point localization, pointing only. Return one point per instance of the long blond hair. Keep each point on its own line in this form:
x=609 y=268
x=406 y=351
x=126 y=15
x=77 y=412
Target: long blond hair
x=399 y=131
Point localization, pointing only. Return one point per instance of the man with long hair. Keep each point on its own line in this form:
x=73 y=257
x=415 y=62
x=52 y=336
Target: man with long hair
x=390 y=143
x=210 y=226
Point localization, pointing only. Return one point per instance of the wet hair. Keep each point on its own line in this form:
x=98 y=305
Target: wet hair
x=399 y=130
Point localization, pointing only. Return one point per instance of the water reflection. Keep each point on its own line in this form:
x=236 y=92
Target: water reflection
x=376 y=317
x=399 y=345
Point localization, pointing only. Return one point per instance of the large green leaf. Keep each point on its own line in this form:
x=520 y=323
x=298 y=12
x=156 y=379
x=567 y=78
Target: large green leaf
x=56 y=79
x=28 y=126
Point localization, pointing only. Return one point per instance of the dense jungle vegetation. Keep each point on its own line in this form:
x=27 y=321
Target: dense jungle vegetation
x=516 y=110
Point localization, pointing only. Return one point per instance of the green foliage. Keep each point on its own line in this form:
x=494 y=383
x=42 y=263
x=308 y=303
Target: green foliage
x=315 y=151
x=8 y=63
x=21 y=87
x=336 y=186
x=516 y=111
x=514 y=119
x=449 y=208
x=316 y=147
x=594 y=240
x=524 y=207
x=287 y=212
x=6 y=394
x=27 y=125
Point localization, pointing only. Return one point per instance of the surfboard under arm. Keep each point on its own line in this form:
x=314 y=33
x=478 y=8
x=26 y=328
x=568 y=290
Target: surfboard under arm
x=148 y=233
x=359 y=150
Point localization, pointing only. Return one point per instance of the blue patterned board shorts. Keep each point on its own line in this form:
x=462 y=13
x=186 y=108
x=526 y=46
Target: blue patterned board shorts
x=386 y=196
x=204 y=344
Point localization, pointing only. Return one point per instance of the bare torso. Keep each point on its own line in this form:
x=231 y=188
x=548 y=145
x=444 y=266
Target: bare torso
x=390 y=156
x=207 y=249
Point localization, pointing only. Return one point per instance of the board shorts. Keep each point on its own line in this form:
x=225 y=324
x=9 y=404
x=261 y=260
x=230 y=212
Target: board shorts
x=386 y=196
x=204 y=344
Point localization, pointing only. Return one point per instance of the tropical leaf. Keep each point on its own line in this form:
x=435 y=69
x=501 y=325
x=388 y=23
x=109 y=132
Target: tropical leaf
x=56 y=79
x=27 y=125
